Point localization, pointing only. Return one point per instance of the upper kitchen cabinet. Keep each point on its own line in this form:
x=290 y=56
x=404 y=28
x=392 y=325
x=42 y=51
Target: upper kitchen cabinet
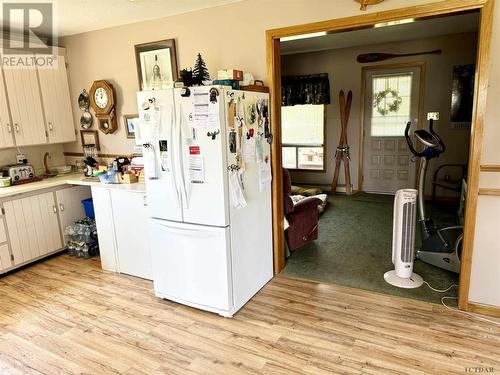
x=6 y=139
x=57 y=103
x=25 y=106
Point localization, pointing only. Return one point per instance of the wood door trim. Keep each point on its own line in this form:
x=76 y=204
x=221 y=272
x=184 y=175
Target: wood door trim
x=490 y=192
x=480 y=308
x=490 y=168
x=439 y=8
x=421 y=93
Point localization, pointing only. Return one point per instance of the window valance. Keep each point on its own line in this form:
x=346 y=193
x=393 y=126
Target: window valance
x=305 y=89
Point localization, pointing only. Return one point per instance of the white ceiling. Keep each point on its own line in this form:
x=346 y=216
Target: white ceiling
x=409 y=31
x=78 y=16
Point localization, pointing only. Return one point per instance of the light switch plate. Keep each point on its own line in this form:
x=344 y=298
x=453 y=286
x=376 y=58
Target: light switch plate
x=433 y=116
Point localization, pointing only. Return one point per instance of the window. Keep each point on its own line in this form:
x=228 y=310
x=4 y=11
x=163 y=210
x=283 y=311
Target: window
x=303 y=136
x=388 y=119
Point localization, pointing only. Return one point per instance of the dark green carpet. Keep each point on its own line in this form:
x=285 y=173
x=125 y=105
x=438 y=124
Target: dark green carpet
x=354 y=248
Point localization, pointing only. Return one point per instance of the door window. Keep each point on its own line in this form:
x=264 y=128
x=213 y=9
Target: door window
x=391 y=104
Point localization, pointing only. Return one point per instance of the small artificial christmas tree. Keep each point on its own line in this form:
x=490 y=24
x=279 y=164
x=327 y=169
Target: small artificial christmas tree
x=200 y=71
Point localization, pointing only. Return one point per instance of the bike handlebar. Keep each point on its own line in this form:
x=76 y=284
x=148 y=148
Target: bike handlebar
x=409 y=141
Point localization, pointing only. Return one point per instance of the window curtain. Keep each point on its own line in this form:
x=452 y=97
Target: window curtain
x=305 y=89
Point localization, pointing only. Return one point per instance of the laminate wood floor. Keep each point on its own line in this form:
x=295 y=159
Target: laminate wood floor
x=67 y=316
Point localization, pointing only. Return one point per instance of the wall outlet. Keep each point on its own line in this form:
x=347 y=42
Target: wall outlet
x=433 y=116
x=21 y=158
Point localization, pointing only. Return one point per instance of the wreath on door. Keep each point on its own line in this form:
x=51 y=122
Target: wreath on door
x=387 y=101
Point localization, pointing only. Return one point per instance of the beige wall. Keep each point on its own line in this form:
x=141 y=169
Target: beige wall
x=485 y=276
x=34 y=154
x=234 y=36
x=345 y=73
x=231 y=36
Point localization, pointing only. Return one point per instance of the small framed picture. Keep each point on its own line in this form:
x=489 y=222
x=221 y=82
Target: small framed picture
x=89 y=138
x=156 y=64
x=130 y=121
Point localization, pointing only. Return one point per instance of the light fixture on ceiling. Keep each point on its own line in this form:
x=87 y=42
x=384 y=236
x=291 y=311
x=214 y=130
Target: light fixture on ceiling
x=394 y=23
x=303 y=36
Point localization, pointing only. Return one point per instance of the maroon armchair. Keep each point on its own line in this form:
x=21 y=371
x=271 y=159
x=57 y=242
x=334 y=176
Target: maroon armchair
x=302 y=217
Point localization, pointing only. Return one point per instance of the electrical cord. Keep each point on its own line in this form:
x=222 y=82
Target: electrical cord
x=440 y=290
x=465 y=312
x=455 y=309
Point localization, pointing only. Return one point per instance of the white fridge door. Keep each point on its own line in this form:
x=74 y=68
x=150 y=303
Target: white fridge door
x=201 y=121
x=158 y=132
x=191 y=264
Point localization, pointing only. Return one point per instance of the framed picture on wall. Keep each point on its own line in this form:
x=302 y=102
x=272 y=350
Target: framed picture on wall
x=130 y=121
x=156 y=64
x=90 y=138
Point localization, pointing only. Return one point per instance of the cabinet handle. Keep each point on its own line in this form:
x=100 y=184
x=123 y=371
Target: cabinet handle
x=61 y=207
x=51 y=127
x=17 y=128
x=54 y=208
x=9 y=128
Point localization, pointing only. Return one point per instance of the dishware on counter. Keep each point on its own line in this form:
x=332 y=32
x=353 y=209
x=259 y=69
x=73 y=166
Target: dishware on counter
x=4 y=182
x=20 y=173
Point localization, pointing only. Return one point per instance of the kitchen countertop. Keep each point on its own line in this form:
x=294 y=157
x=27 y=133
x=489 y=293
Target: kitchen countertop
x=68 y=179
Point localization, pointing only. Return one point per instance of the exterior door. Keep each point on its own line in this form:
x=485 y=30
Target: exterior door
x=391 y=100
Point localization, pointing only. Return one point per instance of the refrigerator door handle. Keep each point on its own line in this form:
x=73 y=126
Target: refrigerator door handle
x=173 y=143
x=189 y=231
x=181 y=156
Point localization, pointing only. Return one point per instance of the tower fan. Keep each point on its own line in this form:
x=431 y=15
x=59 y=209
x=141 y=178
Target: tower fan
x=403 y=241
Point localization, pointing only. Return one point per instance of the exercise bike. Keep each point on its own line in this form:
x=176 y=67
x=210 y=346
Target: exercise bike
x=441 y=247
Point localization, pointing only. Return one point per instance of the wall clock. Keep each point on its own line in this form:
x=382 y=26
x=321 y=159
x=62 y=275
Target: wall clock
x=102 y=101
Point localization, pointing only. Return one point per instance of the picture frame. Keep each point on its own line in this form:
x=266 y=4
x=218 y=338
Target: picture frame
x=129 y=122
x=90 y=137
x=156 y=64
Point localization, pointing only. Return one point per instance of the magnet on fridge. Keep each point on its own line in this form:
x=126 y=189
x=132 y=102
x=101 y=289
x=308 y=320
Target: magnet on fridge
x=214 y=93
x=193 y=133
x=185 y=92
x=250 y=133
x=232 y=142
x=214 y=134
x=163 y=145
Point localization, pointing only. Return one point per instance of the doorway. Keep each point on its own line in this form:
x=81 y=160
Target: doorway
x=417 y=12
x=391 y=96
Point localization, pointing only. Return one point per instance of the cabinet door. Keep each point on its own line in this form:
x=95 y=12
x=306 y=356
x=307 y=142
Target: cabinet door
x=131 y=230
x=33 y=227
x=25 y=106
x=57 y=103
x=105 y=227
x=69 y=203
x=5 y=260
x=6 y=139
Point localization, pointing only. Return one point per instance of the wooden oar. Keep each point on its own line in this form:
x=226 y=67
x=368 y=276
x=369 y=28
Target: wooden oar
x=375 y=56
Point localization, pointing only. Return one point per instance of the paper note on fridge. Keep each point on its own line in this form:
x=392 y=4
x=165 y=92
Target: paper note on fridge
x=249 y=150
x=196 y=169
x=206 y=113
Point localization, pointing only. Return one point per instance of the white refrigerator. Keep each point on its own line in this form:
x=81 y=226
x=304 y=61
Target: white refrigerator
x=208 y=183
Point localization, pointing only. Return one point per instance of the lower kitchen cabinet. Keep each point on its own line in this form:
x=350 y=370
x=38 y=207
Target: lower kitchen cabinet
x=69 y=204
x=33 y=227
x=5 y=259
x=130 y=218
x=121 y=219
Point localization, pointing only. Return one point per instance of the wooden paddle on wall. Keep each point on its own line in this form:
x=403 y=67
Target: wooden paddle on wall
x=375 y=57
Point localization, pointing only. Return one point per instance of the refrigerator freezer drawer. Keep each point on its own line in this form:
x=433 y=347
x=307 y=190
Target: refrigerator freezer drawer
x=191 y=263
